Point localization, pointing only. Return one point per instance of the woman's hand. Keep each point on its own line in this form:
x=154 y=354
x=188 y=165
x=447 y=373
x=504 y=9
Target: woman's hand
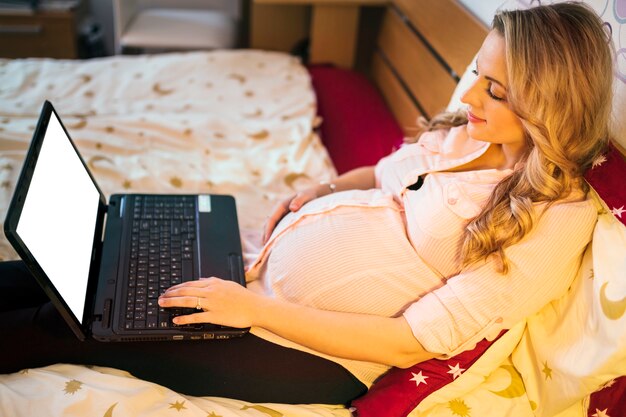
x=362 y=178
x=222 y=302
x=293 y=204
x=365 y=337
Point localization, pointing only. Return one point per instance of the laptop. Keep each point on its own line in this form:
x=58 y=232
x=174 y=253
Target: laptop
x=104 y=265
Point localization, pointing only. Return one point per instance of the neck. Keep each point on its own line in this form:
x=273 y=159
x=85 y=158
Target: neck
x=509 y=155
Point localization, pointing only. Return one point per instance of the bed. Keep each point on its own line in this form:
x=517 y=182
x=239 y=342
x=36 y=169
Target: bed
x=260 y=125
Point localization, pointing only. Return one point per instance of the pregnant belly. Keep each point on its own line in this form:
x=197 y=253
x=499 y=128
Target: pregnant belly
x=349 y=253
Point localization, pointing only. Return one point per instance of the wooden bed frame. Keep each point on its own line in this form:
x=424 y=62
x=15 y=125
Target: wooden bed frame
x=420 y=58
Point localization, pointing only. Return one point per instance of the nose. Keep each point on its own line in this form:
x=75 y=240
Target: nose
x=470 y=97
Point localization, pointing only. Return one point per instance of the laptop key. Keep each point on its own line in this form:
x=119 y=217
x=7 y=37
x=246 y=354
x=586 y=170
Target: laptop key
x=163 y=242
x=164 y=321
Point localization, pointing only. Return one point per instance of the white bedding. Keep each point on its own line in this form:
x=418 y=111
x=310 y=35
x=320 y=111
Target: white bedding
x=229 y=122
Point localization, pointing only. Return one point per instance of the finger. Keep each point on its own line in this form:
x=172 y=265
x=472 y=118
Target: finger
x=271 y=224
x=184 y=301
x=202 y=282
x=267 y=231
x=191 y=318
x=297 y=202
x=279 y=212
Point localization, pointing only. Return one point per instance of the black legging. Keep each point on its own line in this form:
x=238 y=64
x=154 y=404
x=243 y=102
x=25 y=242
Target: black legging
x=33 y=334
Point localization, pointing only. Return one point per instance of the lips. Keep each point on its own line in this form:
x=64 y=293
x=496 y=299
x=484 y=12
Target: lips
x=473 y=119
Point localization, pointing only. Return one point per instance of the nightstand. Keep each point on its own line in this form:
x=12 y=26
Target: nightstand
x=40 y=33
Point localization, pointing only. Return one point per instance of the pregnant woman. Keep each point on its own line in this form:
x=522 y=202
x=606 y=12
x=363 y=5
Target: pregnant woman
x=447 y=241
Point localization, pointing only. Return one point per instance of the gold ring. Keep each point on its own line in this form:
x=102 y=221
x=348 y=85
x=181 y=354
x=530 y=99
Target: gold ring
x=198 y=306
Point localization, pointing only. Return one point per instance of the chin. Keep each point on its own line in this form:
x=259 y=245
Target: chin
x=476 y=133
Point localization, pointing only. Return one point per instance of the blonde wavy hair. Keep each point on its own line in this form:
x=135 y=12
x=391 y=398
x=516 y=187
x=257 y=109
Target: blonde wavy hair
x=560 y=71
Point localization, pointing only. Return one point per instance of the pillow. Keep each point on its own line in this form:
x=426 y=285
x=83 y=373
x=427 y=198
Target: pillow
x=577 y=344
x=610 y=400
x=607 y=178
x=399 y=391
x=357 y=127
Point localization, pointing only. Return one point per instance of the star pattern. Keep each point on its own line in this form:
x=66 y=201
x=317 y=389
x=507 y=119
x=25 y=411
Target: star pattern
x=459 y=408
x=71 y=387
x=178 y=405
x=455 y=370
x=609 y=384
x=598 y=161
x=419 y=379
x=601 y=413
x=547 y=370
x=618 y=211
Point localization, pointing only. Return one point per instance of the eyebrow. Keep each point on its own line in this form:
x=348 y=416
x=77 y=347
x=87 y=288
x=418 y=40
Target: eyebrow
x=488 y=78
x=493 y=80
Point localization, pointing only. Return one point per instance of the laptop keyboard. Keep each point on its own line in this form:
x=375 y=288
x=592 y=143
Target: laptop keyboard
x=162 y=241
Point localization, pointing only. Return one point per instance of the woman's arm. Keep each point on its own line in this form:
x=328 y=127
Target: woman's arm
x=359 y=178
x=363 y=337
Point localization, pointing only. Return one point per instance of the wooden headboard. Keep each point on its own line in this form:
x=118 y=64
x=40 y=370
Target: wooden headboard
x=420 y=56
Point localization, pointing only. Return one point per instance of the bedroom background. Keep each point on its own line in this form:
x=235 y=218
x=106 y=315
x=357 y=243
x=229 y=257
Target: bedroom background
x=239 y=121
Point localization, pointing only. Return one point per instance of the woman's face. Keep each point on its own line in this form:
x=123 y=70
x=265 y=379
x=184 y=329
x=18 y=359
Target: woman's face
x=489 y=117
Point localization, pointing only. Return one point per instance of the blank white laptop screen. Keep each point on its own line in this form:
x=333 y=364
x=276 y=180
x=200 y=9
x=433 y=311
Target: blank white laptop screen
x=58 y=218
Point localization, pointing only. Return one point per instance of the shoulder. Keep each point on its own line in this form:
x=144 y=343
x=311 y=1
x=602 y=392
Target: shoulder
x=567 y=218
x=574 y=206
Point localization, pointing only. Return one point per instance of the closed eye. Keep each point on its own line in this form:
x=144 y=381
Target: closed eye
x=490 y=93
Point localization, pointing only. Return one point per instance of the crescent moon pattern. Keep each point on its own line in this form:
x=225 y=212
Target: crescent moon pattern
x=263 y=134
x=109 y=412
x=238 y=77
x=78 y=125
x=612 y=309
x=291 y=178
x=176 y=182
x=516 y=387
x=98 y=158
x=161 y=91
x=263 y=409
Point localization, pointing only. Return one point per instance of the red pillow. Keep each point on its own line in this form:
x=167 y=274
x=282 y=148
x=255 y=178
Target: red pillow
x=357 y=127
x=609 y=401
x=607 y=178
x=399 y=391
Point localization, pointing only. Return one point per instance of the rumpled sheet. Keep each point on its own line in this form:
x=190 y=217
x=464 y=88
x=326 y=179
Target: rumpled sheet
x=227 y=122
x=70 y=390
